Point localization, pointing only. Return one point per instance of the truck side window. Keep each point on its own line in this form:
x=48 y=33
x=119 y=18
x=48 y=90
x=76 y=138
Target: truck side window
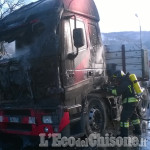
x=93 y=34
x=80 y=24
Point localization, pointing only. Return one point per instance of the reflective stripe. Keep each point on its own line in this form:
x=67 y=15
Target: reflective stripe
x=130 y=100
x=137 y=121
x=124 y=124
x=130 y=88
x=114 y=92
x=121 y=124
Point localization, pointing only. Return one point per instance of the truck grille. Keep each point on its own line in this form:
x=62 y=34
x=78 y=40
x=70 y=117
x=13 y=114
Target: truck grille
x=19 y=127
x=14 y=120
x=17 y=112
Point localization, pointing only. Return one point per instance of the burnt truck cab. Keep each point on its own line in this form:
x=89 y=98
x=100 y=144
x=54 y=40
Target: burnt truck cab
x=58 y=61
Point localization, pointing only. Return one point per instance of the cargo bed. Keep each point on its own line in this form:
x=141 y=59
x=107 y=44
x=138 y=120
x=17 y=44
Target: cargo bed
x=132 y=61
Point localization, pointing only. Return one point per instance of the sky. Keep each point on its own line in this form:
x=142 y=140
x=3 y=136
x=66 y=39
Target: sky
x=119 y=15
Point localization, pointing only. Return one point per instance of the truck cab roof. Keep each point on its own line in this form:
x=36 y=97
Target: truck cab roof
x=83 y=7
x=32 y=11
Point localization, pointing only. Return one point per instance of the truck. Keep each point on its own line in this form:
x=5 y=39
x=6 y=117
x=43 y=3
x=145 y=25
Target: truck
x=53 y=81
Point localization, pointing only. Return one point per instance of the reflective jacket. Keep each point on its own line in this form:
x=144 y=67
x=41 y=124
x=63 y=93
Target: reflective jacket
x=125 y=88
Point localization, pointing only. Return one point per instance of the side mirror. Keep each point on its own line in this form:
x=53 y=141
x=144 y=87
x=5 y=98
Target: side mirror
x=78 y=37
x=79 y=41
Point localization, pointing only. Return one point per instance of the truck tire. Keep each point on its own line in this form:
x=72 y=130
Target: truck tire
x=96 y=116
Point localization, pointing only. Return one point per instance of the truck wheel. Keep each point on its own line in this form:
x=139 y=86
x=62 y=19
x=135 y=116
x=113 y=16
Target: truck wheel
x=96 y=116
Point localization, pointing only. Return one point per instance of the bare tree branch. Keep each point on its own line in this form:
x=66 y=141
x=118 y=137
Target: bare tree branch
x=7 y=7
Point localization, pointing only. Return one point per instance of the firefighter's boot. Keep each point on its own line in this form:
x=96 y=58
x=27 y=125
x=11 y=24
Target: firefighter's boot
x=137 y=130
x=124 y=132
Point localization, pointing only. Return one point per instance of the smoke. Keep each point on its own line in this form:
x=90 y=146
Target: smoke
x=22 y=52
x=12 y=52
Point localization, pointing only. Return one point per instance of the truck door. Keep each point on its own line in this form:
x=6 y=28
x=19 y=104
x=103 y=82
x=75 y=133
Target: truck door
x=97 y=57
x=75 y=69
x=74 y=72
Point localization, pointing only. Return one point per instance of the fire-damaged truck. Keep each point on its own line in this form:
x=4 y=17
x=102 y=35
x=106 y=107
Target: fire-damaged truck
x=52 y=81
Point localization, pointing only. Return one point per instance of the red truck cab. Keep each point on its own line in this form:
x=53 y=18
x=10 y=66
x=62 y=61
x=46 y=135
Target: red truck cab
x=58 y=61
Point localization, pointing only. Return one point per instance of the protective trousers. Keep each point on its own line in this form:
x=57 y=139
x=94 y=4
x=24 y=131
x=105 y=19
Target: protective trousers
x=129 y=112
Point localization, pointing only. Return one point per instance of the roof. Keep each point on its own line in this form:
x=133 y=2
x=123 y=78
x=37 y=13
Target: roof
x=85 y=7
x=28 y=13
x=33 y=9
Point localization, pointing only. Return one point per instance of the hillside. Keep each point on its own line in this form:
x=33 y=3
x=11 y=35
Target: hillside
x=130 y=39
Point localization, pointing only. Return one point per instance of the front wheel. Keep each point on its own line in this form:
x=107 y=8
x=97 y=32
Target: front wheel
x=96 y=116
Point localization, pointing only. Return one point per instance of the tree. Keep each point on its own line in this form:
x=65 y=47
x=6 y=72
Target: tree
x=7 y=7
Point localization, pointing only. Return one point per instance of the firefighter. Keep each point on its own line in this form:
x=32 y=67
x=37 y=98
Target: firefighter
x=125 y=88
